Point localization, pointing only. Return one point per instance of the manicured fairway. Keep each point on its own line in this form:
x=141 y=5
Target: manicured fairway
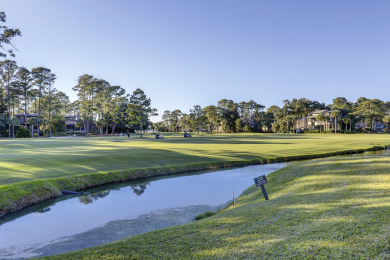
x=28 y=159
x=30 y=168
x=333 y=208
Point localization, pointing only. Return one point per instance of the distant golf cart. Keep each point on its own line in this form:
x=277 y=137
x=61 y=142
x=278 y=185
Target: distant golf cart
x=187 y=135
x=159 y=136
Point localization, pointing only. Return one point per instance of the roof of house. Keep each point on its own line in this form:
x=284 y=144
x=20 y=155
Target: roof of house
x=27 y=114
x=320 y=111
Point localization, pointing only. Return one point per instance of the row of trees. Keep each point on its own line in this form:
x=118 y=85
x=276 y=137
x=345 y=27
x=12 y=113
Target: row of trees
x=23 y=90
x=106 y=107
x=344 y=114
x=100 y=107
x=228 y=116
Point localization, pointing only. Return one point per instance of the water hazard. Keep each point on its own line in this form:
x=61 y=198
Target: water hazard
x=113 y=212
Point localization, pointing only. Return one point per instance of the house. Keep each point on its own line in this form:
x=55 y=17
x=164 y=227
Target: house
x=310 y=122
x=21 y=118
x=378 y=127
x=70 y=123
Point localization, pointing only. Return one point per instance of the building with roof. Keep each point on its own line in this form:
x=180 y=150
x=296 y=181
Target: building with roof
x=70 y=122
x=311 y=121
x=22 y=118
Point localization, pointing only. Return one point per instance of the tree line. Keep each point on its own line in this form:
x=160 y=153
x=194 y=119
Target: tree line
x=229 y=116
x=101 y=107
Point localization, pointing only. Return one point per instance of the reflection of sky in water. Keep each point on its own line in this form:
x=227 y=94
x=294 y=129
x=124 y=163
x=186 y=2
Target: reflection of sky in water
x=80 y=214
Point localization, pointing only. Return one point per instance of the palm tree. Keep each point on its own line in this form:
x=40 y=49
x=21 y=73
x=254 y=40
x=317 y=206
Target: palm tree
x=12 y=122
x=335 y=114
x=321 y=118
x=31 y=121
x=347 y=120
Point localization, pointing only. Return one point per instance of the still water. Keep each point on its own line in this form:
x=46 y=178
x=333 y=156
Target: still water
x=117 y=211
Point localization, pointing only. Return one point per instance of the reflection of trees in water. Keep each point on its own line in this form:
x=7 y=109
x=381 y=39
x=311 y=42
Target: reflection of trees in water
x=139 y=188
x=90 y=198
x=43 y=210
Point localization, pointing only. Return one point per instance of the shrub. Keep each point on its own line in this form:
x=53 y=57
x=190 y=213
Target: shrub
x=23 y=132
x=247 y=128
x=205 y=215
x=312 y=131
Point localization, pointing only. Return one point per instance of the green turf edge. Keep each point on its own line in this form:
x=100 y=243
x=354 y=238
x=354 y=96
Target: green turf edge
x=23 y=194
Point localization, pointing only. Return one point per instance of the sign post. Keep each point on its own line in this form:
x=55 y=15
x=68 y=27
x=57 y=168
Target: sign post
x=260 y=181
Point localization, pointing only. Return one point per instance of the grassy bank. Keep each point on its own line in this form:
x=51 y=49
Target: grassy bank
x=332 y=208
x=34 y=170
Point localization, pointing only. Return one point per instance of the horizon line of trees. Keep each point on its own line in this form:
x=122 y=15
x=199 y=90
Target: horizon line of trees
x=228 y=116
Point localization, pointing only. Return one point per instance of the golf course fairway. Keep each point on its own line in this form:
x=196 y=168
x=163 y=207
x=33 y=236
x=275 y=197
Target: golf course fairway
x=33 y=170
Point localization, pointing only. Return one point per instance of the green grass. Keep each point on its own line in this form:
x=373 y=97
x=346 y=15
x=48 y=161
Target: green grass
x=32 y=170
x=332 y=208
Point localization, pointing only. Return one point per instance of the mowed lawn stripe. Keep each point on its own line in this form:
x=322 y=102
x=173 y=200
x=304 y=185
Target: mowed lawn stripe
x=33 y=170
x=29 y=159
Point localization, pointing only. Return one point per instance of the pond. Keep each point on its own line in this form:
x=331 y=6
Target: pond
x=111 y=212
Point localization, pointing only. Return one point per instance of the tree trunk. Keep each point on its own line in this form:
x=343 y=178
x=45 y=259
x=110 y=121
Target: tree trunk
x=107 y=126
x=25 y=107
x=113 y=128
x=9 y=108
x=288 y=127
x=39 y=108
x=49 y=114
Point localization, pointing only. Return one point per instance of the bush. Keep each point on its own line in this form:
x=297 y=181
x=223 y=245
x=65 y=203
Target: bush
x=23 y=132
x=205 y=215
x=312 y=131
x=247 y=128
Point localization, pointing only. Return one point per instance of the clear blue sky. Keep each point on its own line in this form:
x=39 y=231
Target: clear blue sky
x=185 y=53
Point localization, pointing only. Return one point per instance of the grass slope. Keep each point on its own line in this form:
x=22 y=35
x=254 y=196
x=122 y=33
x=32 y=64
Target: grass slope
x=333 y=208
x=32 y=170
